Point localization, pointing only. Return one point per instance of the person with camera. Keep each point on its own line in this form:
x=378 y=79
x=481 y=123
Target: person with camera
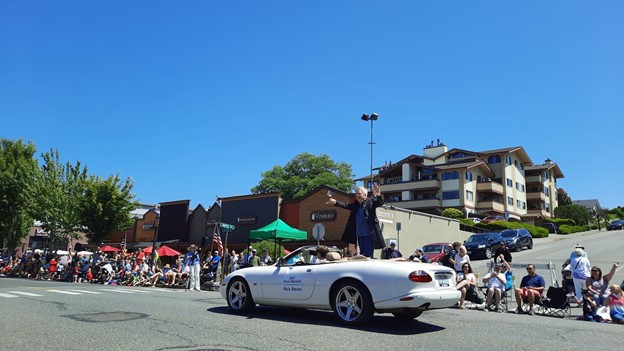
x=192 y=261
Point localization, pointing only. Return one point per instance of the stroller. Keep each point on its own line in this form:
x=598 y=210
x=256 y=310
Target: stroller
x=567 y=283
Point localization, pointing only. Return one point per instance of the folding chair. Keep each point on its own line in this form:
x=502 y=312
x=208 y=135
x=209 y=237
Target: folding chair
x=505 y=298
x=555 y=304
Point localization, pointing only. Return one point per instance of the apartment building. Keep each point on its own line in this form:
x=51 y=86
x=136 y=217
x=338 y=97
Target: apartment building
x=493 y=182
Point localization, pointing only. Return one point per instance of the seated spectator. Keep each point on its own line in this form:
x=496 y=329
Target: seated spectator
x=506 y=270
x=417 y=256
x=615 y=301
x=89 y=275
x=466 y=281
x=597 y=283
x=590 y=308
x=392 y=252
x=495 y=282
x=531 y=288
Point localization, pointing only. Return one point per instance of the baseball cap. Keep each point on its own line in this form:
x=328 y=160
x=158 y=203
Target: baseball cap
x=392 y=242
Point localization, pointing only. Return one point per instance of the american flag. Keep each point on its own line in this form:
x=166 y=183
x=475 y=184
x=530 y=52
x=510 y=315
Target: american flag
x=216 y=238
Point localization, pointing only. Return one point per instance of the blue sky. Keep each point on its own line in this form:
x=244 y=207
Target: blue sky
x=197 y=98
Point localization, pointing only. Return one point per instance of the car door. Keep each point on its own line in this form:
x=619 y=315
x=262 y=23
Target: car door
x=290 y=282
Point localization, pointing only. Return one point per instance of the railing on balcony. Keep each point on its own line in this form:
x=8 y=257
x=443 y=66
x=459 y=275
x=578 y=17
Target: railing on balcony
x=412 y=185
x=415 y=204
x=536 y=196
x=534 y=179
x=490 y=205
x=490 y=187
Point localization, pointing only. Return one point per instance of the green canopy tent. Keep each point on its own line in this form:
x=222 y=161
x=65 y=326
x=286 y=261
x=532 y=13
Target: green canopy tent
x=278 y=231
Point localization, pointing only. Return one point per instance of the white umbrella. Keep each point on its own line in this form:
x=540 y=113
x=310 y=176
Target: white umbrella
x=61 y=252
x=85 y=253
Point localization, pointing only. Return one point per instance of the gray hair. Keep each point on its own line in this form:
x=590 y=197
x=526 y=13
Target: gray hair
x=364 y=190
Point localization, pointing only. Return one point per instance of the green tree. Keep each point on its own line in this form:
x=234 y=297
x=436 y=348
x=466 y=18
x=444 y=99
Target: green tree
x=105 y=206
x=59 y=190
x=452 y=213
x=579 y=214
x=563 y=198
x=304 y=173
x=18 y=172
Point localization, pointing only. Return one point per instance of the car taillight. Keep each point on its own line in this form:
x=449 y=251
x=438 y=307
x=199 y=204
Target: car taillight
x=420 y=277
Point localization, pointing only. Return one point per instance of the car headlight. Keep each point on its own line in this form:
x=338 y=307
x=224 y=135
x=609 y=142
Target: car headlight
x=481 y=247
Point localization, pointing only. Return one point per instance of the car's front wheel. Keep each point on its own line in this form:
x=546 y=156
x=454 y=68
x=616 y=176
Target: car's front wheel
x=407 y=316
x=530 y=245
x=518 y=246
x=352 y=303
x=239 y=297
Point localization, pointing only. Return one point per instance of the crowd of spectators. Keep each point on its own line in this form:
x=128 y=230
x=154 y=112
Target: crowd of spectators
x=132 y=269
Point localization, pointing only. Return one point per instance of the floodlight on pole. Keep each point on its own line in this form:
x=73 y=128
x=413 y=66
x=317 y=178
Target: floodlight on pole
x=372 y=117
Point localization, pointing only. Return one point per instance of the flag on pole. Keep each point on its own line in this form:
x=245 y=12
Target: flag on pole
x=216 y=238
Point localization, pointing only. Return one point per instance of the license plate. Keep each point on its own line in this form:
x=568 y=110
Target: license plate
x=444 y=283
x=468 y=252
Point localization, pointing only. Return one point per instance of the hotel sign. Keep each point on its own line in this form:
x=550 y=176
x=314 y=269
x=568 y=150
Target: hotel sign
x=323 y=216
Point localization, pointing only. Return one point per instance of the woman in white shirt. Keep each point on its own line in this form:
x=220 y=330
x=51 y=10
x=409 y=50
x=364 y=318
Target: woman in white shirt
x=466 y=280
x=460 y=258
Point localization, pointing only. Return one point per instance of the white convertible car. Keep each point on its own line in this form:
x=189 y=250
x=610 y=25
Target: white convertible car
x=354 y=288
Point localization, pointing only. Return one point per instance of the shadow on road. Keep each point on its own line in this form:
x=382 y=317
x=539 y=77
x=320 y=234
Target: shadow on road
x=380 y=323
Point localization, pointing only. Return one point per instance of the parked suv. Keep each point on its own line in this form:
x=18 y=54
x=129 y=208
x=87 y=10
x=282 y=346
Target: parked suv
x=616 y=224
x=516 y=239
x=482 y=244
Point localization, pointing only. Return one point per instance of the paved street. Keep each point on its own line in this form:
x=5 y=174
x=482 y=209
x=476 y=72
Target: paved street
x=56 y=315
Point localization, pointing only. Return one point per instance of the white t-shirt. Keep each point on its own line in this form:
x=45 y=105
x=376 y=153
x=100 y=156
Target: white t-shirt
x=493 y=282
x=459 y=261
x=469 y=277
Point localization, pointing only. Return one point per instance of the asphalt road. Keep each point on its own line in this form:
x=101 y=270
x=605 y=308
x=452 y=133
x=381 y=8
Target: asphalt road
x=42 y=315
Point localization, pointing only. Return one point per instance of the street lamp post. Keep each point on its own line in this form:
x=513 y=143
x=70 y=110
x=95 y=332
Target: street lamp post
x=372 y=117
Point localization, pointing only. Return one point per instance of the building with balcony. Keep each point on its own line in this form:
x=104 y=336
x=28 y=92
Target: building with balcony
x=480 y=183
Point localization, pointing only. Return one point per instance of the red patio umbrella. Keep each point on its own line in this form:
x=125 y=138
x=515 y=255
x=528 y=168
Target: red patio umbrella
x=107 y=248
x=148 y=250
x=167 y=251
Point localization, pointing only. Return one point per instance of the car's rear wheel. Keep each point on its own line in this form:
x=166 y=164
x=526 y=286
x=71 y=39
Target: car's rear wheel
x=530 y=245
x=352 y=303
x=239 y=297
x=407 y=316
x=488 y=252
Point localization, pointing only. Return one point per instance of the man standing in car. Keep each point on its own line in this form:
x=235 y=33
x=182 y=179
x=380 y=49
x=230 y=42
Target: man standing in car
x=363 y=227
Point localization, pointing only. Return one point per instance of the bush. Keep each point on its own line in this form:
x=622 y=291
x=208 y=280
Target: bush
x=569 y=229
x=452 y=213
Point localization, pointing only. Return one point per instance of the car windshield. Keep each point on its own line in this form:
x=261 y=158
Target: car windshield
x=508 y=233
x=432 y=248
x=479 y=238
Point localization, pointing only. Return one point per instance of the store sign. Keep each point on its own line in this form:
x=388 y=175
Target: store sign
x=322 y=216
x=385 y=216
x=246 y=219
